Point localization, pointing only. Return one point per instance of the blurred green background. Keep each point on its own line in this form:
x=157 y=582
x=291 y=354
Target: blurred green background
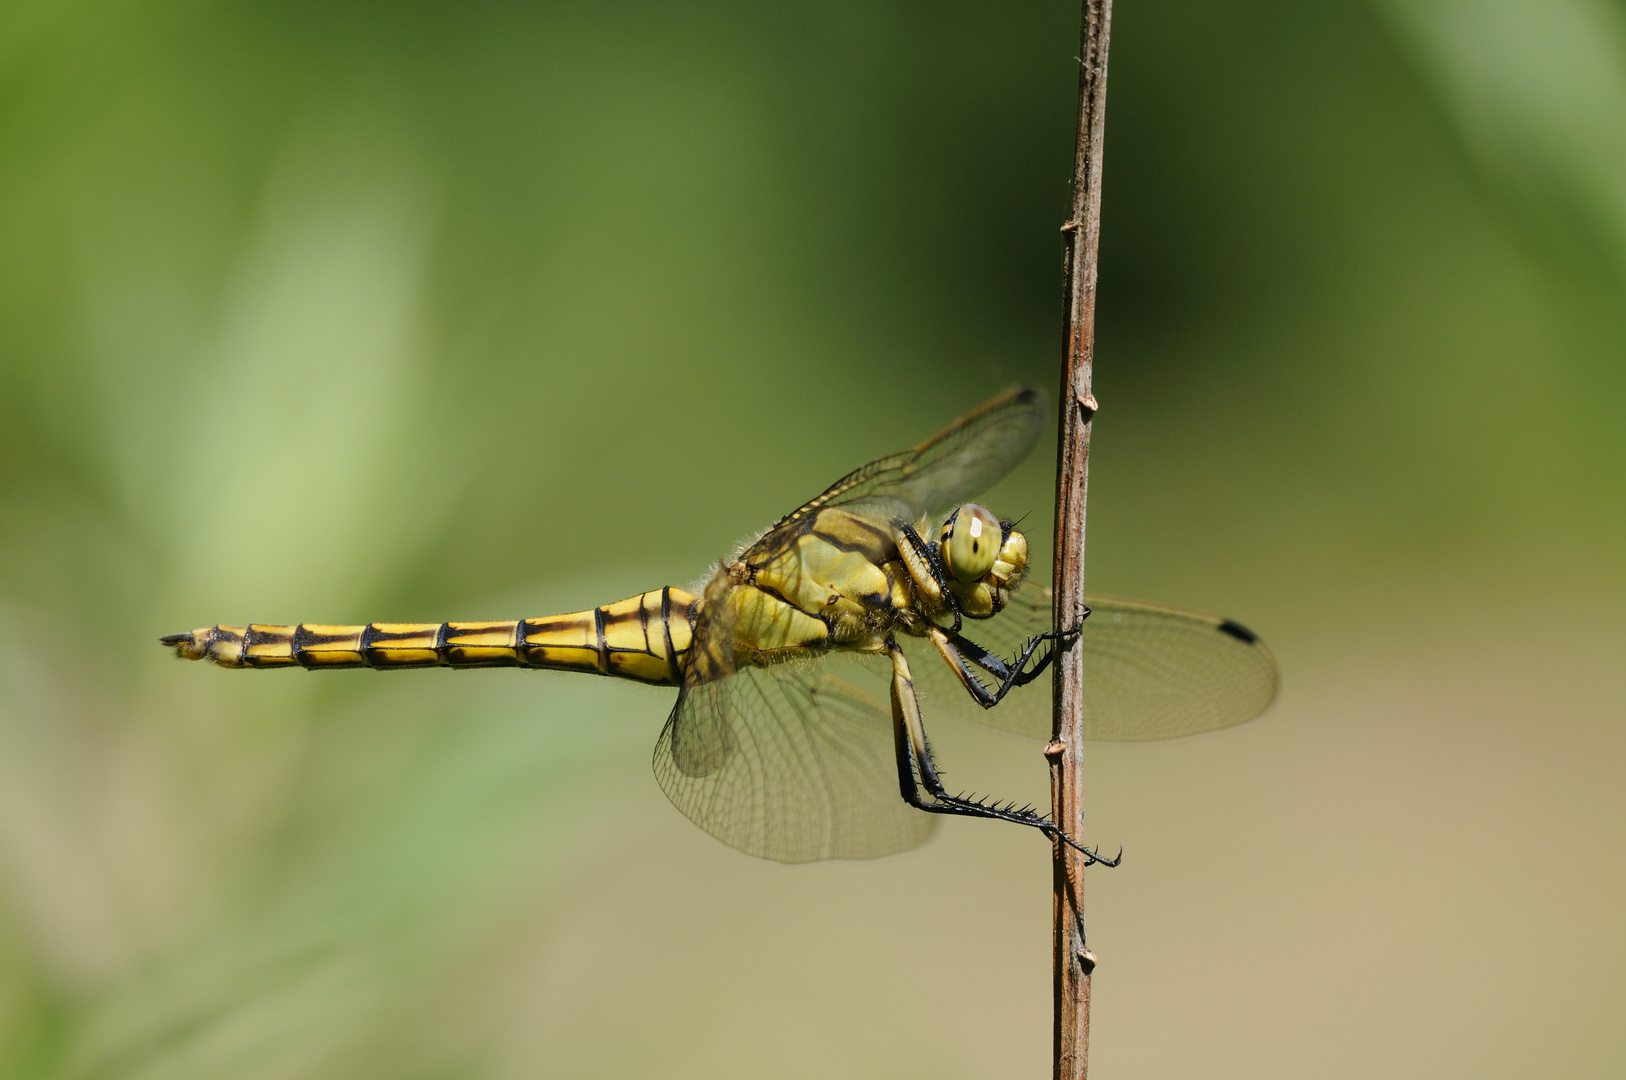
x=347 y=311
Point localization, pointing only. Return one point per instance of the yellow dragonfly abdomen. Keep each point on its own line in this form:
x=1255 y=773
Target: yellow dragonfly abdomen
x=645 y=638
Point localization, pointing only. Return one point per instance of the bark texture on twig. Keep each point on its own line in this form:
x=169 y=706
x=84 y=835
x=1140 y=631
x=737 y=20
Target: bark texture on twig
x=1073 y=959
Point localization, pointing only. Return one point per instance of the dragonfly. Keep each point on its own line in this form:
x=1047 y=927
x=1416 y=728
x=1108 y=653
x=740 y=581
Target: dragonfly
x=802 y=660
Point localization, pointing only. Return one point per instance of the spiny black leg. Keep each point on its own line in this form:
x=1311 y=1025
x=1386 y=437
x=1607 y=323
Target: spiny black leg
x=1000 y=669
x=960 y=806
x=1027 y=815
x=1016 y=673
x=971 y=806
x=937 y=800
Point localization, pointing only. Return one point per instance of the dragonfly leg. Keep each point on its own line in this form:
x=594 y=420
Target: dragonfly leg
x=917 y=770
x=924 y=560
x=957 y=651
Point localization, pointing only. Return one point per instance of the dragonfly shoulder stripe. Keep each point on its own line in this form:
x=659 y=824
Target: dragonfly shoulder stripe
x=666 y=631
x=603 y=649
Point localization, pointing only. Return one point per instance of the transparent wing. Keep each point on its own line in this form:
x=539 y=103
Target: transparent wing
x=788 y=763
x=1150 y=672
x=955 y=465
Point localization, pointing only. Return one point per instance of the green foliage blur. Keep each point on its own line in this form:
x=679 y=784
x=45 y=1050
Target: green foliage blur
x=343 y=312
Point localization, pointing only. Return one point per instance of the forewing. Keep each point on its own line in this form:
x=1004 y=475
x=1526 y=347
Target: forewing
x=955 y=465
x=789 y=763
x=1150 y=672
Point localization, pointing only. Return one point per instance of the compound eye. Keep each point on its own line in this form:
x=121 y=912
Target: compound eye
x=971 y=542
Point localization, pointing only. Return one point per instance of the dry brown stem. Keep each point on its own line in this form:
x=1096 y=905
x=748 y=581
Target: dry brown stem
x=1073 y=959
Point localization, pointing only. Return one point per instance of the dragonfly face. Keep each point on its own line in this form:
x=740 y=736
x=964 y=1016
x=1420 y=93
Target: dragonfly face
x=775 y=748
x=982 y=595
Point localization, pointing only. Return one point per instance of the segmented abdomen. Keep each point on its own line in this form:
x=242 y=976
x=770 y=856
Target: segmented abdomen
x=645 y=638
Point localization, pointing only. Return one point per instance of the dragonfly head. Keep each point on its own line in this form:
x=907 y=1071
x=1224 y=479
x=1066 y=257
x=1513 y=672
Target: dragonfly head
x=986 y=559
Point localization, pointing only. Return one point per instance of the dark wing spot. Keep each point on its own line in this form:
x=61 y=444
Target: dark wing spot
x=1238 y=631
